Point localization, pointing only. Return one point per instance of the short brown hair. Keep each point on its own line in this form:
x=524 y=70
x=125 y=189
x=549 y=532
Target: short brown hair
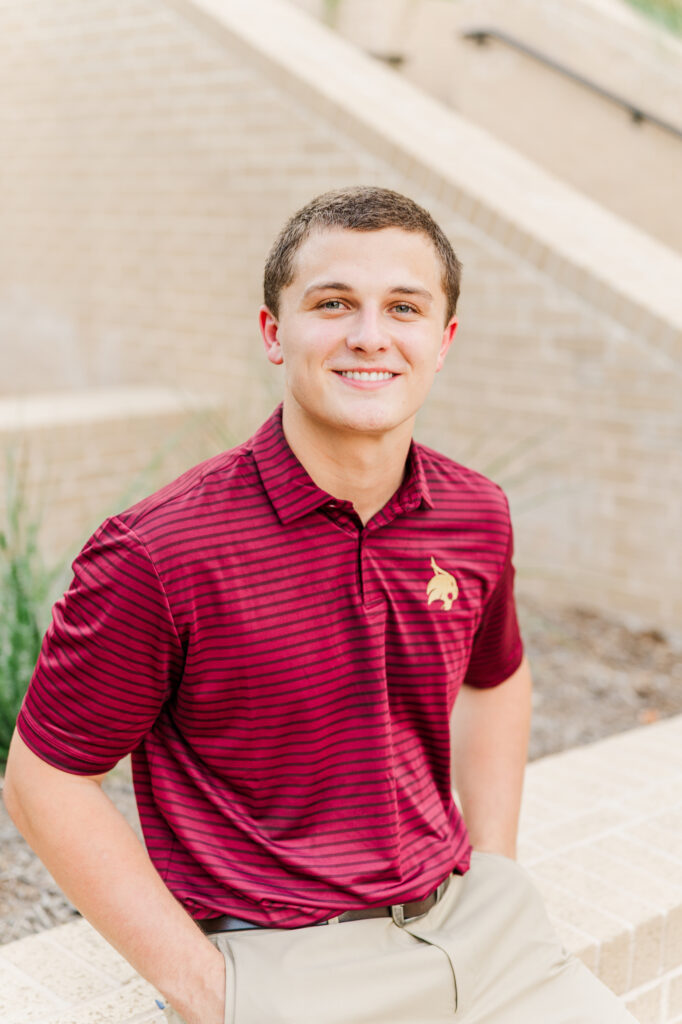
x=363 y=208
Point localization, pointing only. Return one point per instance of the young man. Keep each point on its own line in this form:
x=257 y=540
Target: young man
x=280 y=637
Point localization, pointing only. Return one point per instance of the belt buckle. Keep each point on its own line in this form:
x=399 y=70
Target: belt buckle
x=398 y=909
x=398 y=914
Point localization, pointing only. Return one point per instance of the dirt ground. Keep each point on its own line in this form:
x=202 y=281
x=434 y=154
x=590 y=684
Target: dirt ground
x=593 y=677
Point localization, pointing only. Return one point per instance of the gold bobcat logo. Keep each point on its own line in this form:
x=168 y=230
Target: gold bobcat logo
x=442 y=587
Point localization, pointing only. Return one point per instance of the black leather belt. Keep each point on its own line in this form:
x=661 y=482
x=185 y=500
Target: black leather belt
x=400 y=912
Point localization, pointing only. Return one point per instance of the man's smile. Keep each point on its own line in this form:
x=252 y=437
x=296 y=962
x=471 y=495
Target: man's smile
x=366 y=375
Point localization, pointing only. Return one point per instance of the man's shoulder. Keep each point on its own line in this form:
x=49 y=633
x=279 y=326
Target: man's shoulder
x=205 y=490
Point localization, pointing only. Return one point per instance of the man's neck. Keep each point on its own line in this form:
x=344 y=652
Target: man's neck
x=365 y=469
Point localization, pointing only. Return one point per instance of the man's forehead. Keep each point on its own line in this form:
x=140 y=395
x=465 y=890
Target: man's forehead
x=386 y=252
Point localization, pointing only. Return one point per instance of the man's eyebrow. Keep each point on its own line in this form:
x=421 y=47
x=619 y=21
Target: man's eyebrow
x=322 y=286
x=342 y=286
x=407 y=289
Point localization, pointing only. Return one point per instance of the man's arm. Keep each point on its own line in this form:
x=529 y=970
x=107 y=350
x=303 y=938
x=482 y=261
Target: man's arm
x=98 y=861
x=490 y=730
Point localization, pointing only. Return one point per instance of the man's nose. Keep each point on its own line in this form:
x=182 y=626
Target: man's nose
x=367 y=332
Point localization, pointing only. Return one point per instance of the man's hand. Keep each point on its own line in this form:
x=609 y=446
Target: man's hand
x=490 y=730
x=97 y=859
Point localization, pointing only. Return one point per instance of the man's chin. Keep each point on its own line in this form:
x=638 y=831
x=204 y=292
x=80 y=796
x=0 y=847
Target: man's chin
x=374 y=423
x=361 y=419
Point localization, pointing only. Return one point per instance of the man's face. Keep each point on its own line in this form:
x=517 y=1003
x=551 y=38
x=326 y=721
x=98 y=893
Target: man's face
x=360 y=330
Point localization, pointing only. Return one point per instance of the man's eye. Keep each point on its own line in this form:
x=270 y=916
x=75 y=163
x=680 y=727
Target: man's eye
x=403 y=307
x=331 y=304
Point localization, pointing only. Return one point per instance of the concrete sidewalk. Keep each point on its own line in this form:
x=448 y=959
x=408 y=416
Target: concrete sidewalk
x=70 y=975
x=601 y=833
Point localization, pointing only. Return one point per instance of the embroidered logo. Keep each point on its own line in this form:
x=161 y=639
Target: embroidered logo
x=442 y=587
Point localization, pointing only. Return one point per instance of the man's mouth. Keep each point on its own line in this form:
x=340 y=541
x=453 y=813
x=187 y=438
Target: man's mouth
x=369 y=375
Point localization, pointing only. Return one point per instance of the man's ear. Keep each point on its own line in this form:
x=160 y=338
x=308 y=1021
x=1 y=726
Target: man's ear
x=446 y=342
x=269 y=329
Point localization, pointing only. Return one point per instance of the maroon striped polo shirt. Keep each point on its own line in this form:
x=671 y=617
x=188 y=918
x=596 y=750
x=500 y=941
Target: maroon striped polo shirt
x=283 y=677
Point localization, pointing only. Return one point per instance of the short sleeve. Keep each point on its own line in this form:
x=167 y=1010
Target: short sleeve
x=497 y=649
x=108 y=662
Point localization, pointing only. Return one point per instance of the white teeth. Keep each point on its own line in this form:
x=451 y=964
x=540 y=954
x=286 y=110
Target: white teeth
x=366 y=375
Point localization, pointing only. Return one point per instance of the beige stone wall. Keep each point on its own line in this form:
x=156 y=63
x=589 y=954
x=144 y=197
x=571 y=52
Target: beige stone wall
x=151 y=149
x=608 y=39
x=633 y=169
x=380 y=27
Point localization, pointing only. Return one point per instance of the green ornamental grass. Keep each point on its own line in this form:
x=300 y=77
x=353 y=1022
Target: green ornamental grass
x=666 y=12
x=25 y=589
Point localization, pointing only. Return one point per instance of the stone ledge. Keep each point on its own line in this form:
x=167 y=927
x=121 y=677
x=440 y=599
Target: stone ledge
x=55 y=409
x=601 y=834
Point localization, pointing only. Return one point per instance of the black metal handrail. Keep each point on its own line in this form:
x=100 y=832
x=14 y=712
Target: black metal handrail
x=638 y=115
x=394 y=60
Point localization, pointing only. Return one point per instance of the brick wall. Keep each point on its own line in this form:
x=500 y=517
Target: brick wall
x=149 y=152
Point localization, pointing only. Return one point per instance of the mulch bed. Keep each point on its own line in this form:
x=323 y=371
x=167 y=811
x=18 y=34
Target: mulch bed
x=593 y=677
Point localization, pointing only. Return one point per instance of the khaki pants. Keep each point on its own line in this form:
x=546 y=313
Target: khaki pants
x=486 y=954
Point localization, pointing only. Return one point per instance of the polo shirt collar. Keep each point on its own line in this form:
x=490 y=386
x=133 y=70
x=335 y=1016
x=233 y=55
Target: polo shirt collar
x=294 y=494
x=414 y=490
